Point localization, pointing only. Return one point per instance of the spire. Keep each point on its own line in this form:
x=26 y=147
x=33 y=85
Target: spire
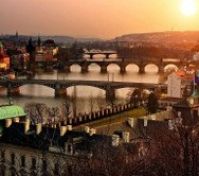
x=39 y=41
x=30 y=41
x=30 y=47
x=16 y=39
x=17 y=35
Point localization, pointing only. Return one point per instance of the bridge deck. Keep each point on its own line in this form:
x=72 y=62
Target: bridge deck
x=67 y=83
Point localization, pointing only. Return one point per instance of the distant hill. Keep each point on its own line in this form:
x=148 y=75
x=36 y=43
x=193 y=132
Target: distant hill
x=57 y=39
x=162 y=37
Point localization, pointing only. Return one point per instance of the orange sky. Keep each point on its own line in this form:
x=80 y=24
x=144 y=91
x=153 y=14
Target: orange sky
x=93 y=18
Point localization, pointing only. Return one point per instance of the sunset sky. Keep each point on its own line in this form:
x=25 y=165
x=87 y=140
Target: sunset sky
x=94 y=18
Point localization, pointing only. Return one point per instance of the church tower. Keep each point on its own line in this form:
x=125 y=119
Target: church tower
x=16 y=40
x=31 y=50
x=39 y=42
x=17 y=36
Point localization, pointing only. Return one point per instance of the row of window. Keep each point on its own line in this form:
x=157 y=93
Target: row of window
x=33 y=162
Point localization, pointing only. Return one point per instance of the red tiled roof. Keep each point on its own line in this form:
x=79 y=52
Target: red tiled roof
x=183 y=75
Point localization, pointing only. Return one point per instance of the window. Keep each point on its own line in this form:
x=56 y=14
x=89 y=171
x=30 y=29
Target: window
x=2 y=169
x=3 y=156
x=44 y=166
x=69 y=170
x=33 y=163
x=23 y=172
x=56 y=169
x=13 y=159
x=23 y=164
x=70 y=148
x=12 y=172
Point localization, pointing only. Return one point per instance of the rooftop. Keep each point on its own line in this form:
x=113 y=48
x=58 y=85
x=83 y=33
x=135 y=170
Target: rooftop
x=11 y=111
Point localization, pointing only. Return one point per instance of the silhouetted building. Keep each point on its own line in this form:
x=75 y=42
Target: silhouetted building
x=31 y=49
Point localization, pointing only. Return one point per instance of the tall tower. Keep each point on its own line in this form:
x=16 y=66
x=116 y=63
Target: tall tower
x=39 y=42
x=31 y=50
x=17 y=36
x=38 y=47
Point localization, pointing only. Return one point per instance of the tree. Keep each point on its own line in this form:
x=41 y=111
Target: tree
x=152 y=104
x=176 y=150
x=36 y=112
x=137 y=97
x=76 y=51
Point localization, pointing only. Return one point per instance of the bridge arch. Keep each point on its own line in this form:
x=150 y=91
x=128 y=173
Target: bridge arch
x=98 y=56
x=123 y=92
x=86 y=91
x=39 y=90
x=151 y=67
x=75 y=67
x=170 y=66
x=86 y=56
x=132 y=67
x=36 y=85
x=84 y=85
x=94 y=67
x=113 y=56
x=113 y=67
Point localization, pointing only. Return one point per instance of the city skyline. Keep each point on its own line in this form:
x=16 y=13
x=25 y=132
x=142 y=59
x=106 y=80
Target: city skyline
x=100 y=19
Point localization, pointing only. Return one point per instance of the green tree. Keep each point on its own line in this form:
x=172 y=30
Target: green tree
x=152 y=104
x=136 y=97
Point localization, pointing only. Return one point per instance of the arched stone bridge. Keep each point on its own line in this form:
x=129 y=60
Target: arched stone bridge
x=105 y=53
x=123 y=63
x=60 y=86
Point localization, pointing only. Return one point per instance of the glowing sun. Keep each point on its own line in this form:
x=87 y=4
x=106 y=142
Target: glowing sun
x=188 y=7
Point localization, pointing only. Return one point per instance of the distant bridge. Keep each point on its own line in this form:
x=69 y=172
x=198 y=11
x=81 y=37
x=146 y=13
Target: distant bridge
x=106 y=53
x=123 y=63
x=60 y=86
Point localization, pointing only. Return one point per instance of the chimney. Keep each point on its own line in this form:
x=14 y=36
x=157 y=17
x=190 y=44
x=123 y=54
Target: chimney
x=145 y=122
x=16 y=120
x=69 y=127
x=63 y=130
x=171 y=125
x=26 y=125
x=126 y=136
x=115 y=140
x=38 y=128
x=131 y=122
x=92 y=131
x=87 y=129
x=8 y=123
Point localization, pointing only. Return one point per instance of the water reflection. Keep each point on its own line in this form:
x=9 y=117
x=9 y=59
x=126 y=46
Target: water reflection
x=42 y=94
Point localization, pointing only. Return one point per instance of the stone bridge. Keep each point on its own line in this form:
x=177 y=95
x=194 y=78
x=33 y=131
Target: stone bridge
x=105 y=53
x=60 y=86
x=123 y=63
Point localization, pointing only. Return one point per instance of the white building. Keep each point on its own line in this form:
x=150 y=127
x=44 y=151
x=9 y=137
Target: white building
x=177 y=81
x=174 y=86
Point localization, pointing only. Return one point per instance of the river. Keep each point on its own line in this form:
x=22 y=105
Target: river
x=87 y=98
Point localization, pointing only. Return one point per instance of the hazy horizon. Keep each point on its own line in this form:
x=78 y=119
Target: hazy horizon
x=92 y=37
x=94 y=19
